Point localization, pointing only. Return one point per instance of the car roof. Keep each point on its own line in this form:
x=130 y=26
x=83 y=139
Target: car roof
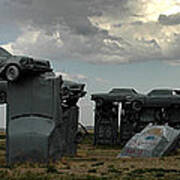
x=123 y=90
x=161 y=92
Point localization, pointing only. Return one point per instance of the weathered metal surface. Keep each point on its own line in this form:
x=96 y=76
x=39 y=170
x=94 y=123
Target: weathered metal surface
x=106 y=124
x=160 y=106
x=70 y=119
x=28 y=139
x=72 y=92
x=37 y=127
x=34 y=116
x=153 y=141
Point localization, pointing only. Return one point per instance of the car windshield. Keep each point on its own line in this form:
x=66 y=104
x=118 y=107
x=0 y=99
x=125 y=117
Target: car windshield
x=4 y=53
x=161 y=93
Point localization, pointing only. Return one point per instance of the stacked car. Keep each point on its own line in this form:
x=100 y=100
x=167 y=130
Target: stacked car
x=159 y=106
x=42 y=112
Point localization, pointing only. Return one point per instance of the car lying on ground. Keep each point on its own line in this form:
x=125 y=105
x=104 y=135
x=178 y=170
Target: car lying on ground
x=125 y=95
x=71 y=92
x=152 y=141
x=11 y=67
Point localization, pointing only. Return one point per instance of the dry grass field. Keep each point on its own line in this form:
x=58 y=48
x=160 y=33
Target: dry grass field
x=94 y=163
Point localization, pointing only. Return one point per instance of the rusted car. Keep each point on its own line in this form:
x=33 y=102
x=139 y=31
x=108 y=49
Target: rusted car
x=124 y=95
x=71 y=92
x=11 y=66
x=163 y=98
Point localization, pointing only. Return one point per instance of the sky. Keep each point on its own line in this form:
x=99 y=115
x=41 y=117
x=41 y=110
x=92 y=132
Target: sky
x=103 y=43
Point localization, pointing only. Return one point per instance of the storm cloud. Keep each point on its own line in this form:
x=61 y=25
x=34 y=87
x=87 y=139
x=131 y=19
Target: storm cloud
x=96 y=31
x=170 y=20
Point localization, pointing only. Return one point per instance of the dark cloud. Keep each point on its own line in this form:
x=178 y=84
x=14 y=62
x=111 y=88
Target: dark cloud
x=169 y=20
x=21 y=2
x=97 y=31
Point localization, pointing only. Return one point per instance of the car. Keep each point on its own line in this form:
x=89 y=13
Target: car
x=11 y=66
x=71 y=92
x=163 y=98
x=116 y=95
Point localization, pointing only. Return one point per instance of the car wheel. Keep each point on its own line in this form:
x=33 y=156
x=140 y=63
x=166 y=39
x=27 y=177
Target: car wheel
x=12 y=73
x=158 y=115
x=136 y=105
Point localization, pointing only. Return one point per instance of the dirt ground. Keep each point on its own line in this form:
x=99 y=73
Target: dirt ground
x=94 y=163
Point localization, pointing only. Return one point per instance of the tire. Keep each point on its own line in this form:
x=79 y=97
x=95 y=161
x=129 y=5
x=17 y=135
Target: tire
x=158 y=115
x=161 y=116
x=165 y=115
x=12 y=73
x=136 y=105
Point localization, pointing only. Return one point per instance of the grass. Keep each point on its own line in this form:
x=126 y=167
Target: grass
x=94 y=163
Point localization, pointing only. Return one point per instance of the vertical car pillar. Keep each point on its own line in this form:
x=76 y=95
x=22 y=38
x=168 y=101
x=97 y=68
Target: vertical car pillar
x=71 y=93
x=34 y=116
x=106 y=124
x=129 y=123
x=70 y=118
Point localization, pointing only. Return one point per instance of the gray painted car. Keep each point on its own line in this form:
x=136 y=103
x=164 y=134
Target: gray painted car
x=125 y=95
x=11 y=67
x=71 y=92
x=160 y=98
x=163 y=97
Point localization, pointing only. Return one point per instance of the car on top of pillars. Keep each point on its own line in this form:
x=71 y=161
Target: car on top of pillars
x=116 y=95
x=163 y=98
x=11 y=66
x=159 y=99
x=71 y=92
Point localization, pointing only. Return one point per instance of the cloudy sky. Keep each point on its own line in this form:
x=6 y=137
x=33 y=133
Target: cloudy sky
x=104 y=43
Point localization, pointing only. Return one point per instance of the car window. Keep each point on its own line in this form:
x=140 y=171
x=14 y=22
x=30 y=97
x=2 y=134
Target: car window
x=123 y=91
x=160 y=93
x=135 y=92
x=177 y=92
x=4 y=53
